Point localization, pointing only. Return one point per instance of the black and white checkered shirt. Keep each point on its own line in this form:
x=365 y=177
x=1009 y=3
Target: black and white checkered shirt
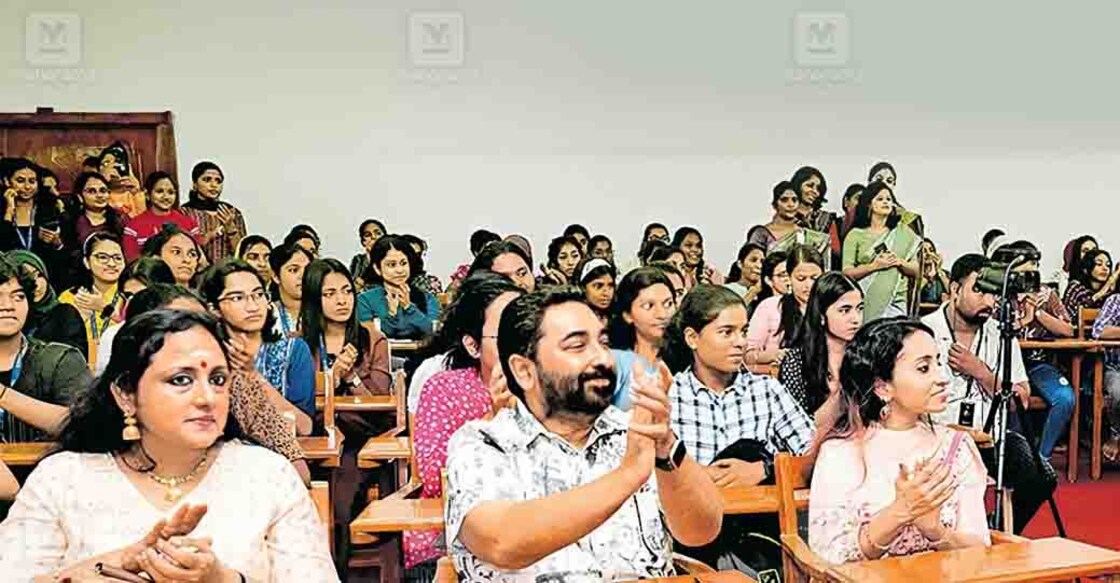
x=752 y=407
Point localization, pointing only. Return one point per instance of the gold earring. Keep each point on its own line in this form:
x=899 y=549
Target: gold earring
x=131 y=432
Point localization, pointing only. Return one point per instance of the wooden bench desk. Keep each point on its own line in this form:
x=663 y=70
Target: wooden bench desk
x=1051 y=559
x=317 y=448
x=24 y=454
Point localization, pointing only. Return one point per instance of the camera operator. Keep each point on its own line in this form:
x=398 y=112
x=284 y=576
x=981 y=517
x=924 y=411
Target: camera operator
x=1042 y=316
x=969 y=341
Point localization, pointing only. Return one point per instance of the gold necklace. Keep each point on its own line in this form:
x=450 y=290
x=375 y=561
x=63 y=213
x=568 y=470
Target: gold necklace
x=173 y=483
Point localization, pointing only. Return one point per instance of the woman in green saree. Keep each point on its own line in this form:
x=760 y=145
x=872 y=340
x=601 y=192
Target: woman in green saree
x=880 y=253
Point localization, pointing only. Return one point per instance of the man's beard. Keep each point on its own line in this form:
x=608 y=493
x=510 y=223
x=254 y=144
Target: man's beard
x=571 y=395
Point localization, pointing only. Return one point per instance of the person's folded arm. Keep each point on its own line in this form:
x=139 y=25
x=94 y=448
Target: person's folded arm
x=41 y=415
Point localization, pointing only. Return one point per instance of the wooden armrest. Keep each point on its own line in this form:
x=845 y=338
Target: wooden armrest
x=383 y=448
x=1003 y=538
x=814 y=566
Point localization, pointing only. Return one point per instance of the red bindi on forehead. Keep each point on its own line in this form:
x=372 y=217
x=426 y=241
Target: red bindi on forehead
x=204 y=365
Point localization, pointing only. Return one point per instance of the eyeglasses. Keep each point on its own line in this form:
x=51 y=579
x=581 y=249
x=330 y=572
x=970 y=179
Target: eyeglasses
x=238 y=298
x=107 y=258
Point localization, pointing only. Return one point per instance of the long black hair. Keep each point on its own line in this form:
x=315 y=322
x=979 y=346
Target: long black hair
x=700 y=307
x=313 y=322
x=378 y=253
x=95 y=422
x=811 y=337
x=213 y=283
x=862 y=219
x=1084 y=271
x=556 y=245
x=622 y=334
x=485 y=258
x=791 y=312
x=869 y=357
x=148 y=271
x=466 y=315
x=277 y=258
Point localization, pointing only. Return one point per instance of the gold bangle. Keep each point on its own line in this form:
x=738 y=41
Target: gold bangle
x=4 y=392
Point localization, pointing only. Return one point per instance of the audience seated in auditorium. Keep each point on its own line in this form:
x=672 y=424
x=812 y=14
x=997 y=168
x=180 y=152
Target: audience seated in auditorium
x=597 y=278
x=306 y=237
x=810 y=370
x=234 y=293
x=38 y=379
x=886 y=482
x=459 y=394
x=564 y=255
x=220 y=223
x=404 y=311
x=580 y=235
x=178 y=250
x=94 y=216
x=776 y=317
x=136 y=277
x=881 y=254
x=32 y=222
x=969 y=342
x=745 y=275
x=785 y=230
x=287 y=263
x=1071 y=256
x=49 y=320
x=163 y=207
x=478 y=241
x=935 y=280
x=644 y=306
x=696 y=269
x=421 y=279
x=1091 y=283
x=368 y=233
x=608 y=515
x=732 y=420
x=256 y=251
x=203 y=493
x=1107 y=327
x=97 y=297
x=508 y=259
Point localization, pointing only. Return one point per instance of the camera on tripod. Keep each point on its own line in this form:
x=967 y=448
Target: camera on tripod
x=999 y=274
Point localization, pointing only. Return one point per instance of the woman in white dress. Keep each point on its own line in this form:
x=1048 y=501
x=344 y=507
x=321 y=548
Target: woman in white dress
x=151 y=477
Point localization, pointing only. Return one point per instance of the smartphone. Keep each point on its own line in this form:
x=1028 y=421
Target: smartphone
x=880 y=248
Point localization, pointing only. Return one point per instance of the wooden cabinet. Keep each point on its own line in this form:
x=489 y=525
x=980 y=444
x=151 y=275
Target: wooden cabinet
x=60 y=141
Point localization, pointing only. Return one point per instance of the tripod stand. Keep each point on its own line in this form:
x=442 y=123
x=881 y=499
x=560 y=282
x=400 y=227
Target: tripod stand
x=1001 y=403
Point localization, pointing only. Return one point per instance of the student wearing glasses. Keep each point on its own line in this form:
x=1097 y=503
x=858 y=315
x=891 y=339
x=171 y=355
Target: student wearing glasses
x=98 y=298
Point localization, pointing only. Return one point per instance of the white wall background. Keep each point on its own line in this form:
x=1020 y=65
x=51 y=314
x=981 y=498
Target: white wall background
x=608 y=113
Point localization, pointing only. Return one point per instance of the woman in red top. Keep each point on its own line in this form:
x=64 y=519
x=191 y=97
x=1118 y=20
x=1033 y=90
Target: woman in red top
x=163 y=208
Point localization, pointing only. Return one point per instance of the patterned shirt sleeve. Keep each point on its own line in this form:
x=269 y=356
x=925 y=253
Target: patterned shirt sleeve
x=259 y=419
x=477 y=472
x=32 y=538
x=1108 y=317
x=792 y=427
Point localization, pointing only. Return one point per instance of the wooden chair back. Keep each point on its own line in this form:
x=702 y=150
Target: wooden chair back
x=1085 y=320
x=799 y=562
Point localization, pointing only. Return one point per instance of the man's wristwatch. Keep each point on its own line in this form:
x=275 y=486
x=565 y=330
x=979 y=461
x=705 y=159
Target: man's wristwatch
x=675 y=459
